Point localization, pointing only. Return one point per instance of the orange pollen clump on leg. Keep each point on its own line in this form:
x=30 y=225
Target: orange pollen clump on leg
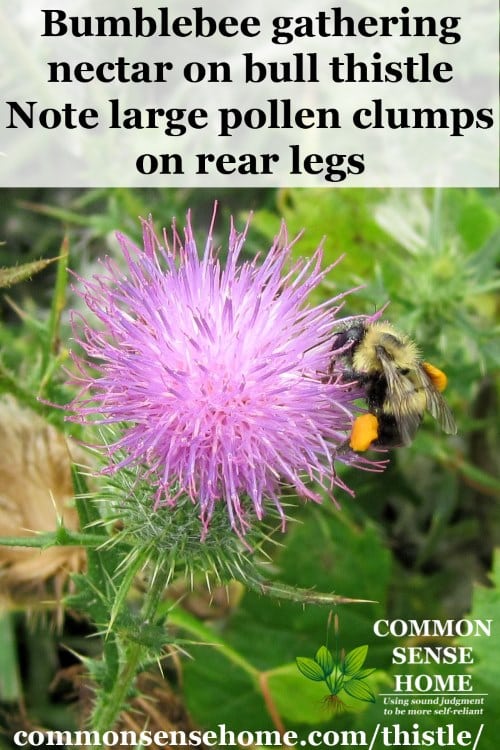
x=438 y=378
x=364 y=432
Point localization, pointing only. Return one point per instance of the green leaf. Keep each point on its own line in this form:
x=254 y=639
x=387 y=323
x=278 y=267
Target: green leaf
x=354 y=660
x=359 y=690
x=217 y=691
x=297 y=700
x=310 y=669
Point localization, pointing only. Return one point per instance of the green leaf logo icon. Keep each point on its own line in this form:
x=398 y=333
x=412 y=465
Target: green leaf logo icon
x=310 y=669
x=354 y=660
x=325 y=660
x=343 y=674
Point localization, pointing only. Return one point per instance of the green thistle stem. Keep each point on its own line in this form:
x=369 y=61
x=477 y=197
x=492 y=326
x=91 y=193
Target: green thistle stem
x=101 y=567
x=109 y=705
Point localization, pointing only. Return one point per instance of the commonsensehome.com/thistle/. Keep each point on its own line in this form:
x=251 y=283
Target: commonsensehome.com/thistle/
x=388 y=736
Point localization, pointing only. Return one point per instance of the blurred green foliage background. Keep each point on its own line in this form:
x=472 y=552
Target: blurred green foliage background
x=418 y=539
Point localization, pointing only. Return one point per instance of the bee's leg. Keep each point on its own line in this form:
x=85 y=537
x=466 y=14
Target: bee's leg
x=347 y=375
x=365 y=430
x=329 y=376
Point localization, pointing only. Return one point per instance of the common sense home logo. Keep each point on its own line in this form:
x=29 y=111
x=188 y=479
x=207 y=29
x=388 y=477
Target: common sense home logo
x=342 y=672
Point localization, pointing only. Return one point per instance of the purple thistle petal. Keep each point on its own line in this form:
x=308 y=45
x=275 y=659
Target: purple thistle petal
x=217 y=372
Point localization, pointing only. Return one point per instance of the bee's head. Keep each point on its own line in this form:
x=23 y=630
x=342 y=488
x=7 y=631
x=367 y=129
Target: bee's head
x=348 y=339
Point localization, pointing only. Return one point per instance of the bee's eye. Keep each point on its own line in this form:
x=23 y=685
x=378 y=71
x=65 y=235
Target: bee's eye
x=340 y=340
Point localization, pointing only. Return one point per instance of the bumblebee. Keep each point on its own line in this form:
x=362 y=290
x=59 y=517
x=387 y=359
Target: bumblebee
x=399 y=386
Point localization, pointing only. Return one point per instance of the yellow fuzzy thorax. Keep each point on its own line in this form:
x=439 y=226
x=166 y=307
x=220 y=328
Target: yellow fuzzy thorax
x=399 y=347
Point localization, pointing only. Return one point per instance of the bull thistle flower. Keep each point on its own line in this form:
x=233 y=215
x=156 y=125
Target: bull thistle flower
x=213 y=375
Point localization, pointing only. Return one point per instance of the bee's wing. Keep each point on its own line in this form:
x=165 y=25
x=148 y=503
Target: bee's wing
x=437 y=406
x=401 y=393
